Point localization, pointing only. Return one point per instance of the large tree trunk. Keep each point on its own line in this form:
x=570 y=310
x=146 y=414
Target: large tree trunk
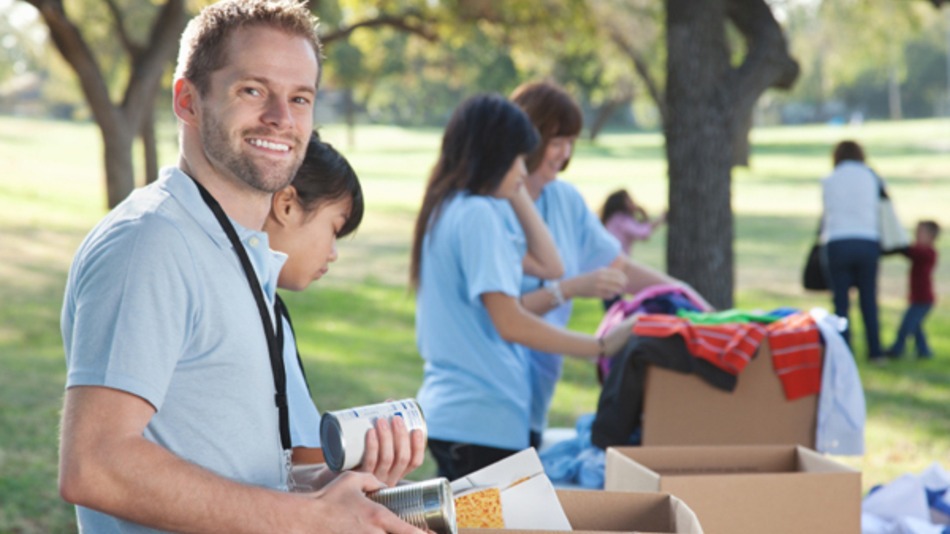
x=709 y=106
x=698 y=149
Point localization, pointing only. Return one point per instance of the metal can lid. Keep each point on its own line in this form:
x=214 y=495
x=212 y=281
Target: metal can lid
x=332 y=441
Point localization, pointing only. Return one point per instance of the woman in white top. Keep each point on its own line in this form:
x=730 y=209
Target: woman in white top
x=849 y=231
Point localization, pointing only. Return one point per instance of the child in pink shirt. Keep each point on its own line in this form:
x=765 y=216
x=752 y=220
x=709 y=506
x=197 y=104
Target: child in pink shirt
x=627 y=221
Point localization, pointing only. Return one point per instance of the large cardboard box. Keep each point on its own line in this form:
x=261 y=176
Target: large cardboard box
x=595 y=512
x=681 y=409
x=745 y=489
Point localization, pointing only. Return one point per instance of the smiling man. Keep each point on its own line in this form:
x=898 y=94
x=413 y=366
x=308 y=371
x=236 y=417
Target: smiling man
x=175 y=413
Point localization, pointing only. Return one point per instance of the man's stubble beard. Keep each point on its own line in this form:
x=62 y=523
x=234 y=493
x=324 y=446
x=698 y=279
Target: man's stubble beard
x=268 y=179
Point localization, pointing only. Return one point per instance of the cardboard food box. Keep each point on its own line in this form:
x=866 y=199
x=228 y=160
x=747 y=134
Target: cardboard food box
x=682 y=409
x=594 y=512
x=746 y=489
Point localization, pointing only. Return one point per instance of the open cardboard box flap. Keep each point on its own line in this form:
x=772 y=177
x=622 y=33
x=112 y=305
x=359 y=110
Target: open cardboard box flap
x=528 y=499
x=530 y=504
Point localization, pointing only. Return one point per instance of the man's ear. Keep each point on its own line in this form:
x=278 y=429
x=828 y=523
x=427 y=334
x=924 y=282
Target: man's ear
x=185 y=101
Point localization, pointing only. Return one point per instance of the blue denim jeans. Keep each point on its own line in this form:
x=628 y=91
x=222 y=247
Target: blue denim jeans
x=913 y=324
x=853 y=263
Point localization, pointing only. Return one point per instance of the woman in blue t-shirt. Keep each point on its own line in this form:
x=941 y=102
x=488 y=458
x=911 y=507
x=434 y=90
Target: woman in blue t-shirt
x=476 y=233
x=594 y=264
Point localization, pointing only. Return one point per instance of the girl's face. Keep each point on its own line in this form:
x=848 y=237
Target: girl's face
x=514 y=179
x=557 y=153
x=307 y=237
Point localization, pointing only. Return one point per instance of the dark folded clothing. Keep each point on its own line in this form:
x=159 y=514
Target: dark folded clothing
x=620 y=406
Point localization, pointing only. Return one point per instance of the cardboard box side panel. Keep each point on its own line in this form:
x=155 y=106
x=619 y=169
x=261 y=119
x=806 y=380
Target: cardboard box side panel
x=813 y=462
x=712 y=460
x=628 y=475
x=596 y=510
x=787 y=504
x=519 y=531
x=682 y=409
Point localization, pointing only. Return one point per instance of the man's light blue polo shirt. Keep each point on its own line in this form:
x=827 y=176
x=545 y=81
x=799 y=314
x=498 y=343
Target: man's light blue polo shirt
x=475 y=387
x=157 y=305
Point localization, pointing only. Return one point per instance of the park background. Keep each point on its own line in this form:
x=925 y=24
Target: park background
x=873 y=71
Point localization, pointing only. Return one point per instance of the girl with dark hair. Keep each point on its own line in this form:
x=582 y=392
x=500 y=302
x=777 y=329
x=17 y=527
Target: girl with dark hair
x=594 y=264
x=476 y=233
x=626 y=220
x=323 y=203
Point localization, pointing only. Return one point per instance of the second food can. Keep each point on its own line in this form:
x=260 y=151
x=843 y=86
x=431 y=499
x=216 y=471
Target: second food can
x=343 y=432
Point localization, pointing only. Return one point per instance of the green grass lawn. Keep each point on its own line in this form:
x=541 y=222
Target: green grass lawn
x=356 y=326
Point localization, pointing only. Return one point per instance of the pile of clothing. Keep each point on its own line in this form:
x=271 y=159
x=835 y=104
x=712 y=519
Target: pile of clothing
x=911 y=504
x=809 y=356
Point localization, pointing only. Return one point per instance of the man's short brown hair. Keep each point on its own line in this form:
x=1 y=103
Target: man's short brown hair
x=203 y=48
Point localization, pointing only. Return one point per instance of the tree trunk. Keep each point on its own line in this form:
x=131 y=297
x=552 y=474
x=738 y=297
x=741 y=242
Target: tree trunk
x=698 y=148
x=606 y=110
x=894 y=95
x=709 y=106
x=349 y=111
x=119 y=167
x=149 y=148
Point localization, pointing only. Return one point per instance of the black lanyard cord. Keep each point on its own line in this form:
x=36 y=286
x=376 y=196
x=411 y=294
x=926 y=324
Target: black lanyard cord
x=282 y=309
x=275 y=336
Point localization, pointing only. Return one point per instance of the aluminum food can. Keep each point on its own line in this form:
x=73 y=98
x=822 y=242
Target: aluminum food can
x=343 y=432
x=427 y=505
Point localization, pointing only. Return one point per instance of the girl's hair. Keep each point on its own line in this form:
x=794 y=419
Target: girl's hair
x=326 y=176
x=848 y=151
x=553 y=111
x=482 y=140
x=617 y=202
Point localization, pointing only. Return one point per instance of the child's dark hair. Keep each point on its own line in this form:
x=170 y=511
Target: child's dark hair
x=930 y=226
x=326 y=176
x=617 y=202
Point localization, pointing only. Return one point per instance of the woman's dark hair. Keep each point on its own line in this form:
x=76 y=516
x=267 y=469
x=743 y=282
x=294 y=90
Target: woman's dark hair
x=553 y=112
x=326 y=176
x=482 y=140
x=848 y=151
x=617 y=202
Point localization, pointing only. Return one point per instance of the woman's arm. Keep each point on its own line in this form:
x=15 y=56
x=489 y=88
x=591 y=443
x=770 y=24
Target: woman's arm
x=517 y=325
x=603 y=283
x=542 y=259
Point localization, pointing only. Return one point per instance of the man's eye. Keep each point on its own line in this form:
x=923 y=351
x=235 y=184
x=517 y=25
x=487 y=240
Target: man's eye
x=301 y=100
x=251 y=91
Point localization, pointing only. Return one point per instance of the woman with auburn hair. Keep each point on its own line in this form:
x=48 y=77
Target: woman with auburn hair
x=851 y=238
x=476 y=233
x=594 y=264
